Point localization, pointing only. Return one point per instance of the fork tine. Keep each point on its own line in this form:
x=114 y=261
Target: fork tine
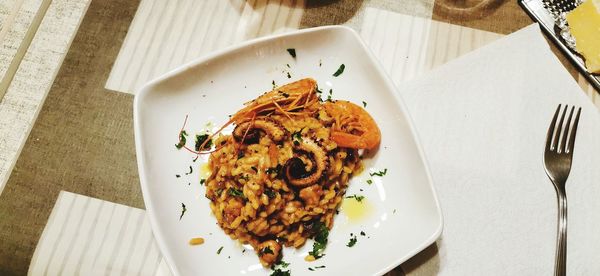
x=559 y=130
x=551 y=129
x=563 y=143
x=573 y=132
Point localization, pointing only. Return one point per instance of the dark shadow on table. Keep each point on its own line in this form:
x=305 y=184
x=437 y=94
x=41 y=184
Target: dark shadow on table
x=329 y=12
x=316 y=13
x=429 y=255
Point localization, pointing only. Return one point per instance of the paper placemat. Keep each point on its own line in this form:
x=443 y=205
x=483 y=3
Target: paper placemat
x=482 y=120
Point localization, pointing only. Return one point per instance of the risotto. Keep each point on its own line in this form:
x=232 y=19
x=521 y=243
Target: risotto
x=282 y=173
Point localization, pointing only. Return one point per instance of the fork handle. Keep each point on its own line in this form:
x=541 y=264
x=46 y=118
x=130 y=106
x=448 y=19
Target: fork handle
x=560 y=265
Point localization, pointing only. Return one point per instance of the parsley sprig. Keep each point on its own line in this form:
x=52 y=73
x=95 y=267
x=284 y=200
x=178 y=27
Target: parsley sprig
x=278 y=269
x=316 y=267
x=320 y=240
x=292 y=52
x=183 y=210
x=339 y=70
x=200 y=139
x=357 y=197
x=266 y=250
x=379 y=173
x=182 y=139
x=297 y=136
x=352 y=241
x=236 y=192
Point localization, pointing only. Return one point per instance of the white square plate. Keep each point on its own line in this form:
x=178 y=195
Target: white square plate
x=402 y=214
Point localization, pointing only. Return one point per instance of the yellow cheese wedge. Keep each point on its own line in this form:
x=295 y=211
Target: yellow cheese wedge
x=584 y=22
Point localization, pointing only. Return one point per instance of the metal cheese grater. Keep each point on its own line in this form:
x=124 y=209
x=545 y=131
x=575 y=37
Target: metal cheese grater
x=559 y=10
x=551 y=15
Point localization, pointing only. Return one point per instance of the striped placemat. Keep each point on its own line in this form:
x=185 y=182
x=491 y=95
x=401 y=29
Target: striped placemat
x=33 y=42
x=88 y=236
x=166 y=34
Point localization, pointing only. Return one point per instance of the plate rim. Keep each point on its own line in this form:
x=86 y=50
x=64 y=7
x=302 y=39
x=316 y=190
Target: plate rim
x=140 y=156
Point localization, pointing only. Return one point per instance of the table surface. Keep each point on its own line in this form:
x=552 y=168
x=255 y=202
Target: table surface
x=82 y=140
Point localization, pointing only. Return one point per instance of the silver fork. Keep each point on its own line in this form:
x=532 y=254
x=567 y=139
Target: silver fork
x=558 y=157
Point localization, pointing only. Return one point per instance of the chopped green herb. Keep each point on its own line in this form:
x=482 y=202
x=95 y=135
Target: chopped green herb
x=270 y=193
x=282 y=264
x=320 y=63
x=329 y=96
x=183 y=209
x=297 y=135
x=362 y=233
x=196 y=158
x=379 y=173
x=190 y=172
x=236 y=192
x=369 y=181
x=296 y=143
x=279 y=272
x=284 y=94
x=219 y=251
x=178 y=175
x=254 y=169
x=202 y=181
x=274 y=85
x=278 y=269
x=339 y=70
x=288 y=75
x=240 y=154
x=320 y=240
x=393 y=212
x=316 y=267
x=244 y=251
x=182 y=139
x=352 y=242
x=364 y=103
x=357 y=197
x=266 y=250
x=292 y=52
x=273 y=170
x=200 y=139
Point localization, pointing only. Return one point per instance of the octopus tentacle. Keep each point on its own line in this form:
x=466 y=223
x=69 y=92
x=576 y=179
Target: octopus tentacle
x=295 y=169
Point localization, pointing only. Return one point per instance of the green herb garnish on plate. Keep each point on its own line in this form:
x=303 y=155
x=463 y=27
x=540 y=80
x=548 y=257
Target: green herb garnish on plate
x=339 y=70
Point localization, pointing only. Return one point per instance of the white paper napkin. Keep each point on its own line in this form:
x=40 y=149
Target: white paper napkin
x=482 y=120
